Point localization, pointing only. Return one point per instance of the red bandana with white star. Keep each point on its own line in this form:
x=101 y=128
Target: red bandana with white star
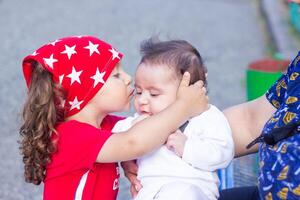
x=80 y=64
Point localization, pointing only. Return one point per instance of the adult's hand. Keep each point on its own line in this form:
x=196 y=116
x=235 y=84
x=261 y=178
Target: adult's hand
x=130 y=170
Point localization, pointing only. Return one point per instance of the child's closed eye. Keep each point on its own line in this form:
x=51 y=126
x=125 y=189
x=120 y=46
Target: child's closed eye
x=116 y=75
x=138 y=92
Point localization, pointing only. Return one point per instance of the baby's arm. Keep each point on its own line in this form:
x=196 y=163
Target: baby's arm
x=213 y=148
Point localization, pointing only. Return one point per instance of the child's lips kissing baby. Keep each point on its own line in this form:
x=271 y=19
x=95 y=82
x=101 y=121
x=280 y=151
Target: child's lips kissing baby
x=131 y=93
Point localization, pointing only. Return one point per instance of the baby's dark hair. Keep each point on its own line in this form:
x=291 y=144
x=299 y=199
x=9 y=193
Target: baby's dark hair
x=41 y=113
x=177 y=54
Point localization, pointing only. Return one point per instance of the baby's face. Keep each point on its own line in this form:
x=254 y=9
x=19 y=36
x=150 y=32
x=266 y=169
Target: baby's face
x=156 y=87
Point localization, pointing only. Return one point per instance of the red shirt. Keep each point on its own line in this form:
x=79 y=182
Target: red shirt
x=77 y=149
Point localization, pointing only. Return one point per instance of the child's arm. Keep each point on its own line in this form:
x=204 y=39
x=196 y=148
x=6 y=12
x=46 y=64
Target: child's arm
x=153 y=131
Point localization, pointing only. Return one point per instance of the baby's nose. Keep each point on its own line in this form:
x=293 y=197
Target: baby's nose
x=143 y=99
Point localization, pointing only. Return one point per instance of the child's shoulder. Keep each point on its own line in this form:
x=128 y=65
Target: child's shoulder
x=72 y=125
x=74 y=130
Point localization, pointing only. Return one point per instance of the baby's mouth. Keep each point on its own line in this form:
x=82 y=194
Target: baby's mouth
x=145 y=113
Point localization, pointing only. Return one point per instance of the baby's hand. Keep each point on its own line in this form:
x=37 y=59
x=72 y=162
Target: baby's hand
x=176 y=142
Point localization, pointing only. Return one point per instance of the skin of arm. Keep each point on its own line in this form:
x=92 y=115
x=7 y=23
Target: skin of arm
x=247 y=121
x=152 y=132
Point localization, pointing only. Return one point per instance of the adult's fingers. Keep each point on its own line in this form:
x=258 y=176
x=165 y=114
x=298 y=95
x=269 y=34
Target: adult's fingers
x=135 y=187
x=133 y=191
x=132 y=177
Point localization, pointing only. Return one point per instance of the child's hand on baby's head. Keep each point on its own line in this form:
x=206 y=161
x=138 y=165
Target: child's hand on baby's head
x=139 y=118
x=176 y=142
x=193 y=95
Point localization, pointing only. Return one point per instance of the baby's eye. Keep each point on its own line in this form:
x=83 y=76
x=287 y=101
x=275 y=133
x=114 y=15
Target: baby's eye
x=154 y=95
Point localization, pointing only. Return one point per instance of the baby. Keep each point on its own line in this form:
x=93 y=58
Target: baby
x=186 y=168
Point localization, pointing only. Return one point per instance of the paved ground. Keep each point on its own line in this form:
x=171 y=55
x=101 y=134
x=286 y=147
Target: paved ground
x=226 y=32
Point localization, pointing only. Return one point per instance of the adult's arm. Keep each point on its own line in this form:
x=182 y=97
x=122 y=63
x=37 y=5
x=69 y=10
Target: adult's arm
x=247 y=121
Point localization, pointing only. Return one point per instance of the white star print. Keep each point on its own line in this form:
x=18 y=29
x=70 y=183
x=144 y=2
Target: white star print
x=53 y=43
x=49 y=61
x=115 y=54
x=74 y=76
x=98 y=77
x=61 y=77
x=75 y=104
x=34 y=53
x=69 y=51
x=93 y=48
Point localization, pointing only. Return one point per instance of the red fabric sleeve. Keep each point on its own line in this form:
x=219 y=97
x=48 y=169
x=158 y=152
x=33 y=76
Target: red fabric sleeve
x=78 y=146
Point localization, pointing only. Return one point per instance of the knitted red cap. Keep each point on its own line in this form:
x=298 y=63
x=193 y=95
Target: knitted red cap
x=80 y=64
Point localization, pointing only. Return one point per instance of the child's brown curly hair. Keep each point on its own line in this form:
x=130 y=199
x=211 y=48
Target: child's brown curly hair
x=41 y=113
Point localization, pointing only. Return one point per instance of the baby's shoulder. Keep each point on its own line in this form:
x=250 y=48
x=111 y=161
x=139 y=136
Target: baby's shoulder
x=212 y=112
x=124 y=124
x=128 y=119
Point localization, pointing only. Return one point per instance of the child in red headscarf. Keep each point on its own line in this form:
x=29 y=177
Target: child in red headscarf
x=74 y=83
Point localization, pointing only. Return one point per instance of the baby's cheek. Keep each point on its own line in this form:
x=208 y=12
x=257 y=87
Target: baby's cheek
x=159 y=106
x=136 y=107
